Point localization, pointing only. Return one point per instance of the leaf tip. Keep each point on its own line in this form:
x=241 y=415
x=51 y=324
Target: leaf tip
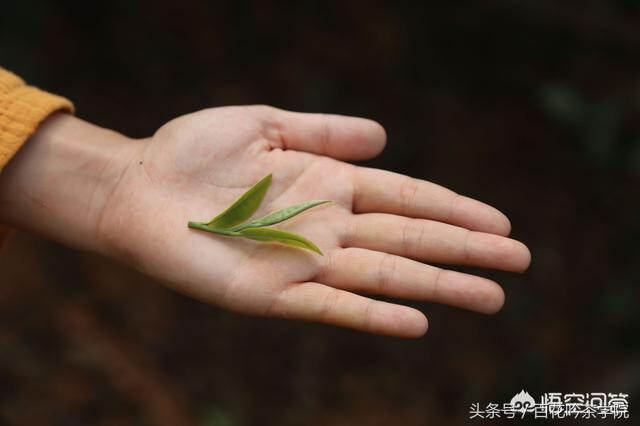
x=311 y=246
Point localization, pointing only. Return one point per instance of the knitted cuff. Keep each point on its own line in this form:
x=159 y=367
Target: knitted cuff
x=22 y=109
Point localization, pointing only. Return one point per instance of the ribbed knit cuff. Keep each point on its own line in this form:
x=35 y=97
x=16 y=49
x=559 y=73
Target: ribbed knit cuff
x=22 y=109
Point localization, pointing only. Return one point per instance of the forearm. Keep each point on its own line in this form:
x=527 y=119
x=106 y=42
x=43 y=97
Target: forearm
x=59 y=182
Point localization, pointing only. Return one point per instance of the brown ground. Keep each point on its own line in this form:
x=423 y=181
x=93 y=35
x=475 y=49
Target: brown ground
x=531 y=107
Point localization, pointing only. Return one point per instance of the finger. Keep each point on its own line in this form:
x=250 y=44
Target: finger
x=337 y=136
x=312 y=301
x=438 y=242
x=388 y=192
x=374 y=272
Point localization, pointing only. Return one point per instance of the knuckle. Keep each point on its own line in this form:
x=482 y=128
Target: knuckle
x=325 y=133
x=408 y=238
x=350 y=231
x=262 y=109
x=453 y=206
x=386 y=272
x=466 y=251
x=419 y=240
x=408 y=191
x=330 y=266
x=367 y=315
x=435 y=288
x=329 y=305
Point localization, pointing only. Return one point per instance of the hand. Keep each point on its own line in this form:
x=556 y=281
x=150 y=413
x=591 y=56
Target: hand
x=374 y=236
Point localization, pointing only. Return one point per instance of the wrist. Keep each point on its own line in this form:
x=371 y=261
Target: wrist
x=59 y=182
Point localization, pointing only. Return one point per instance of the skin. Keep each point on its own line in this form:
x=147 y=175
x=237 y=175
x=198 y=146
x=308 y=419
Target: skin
x=97 y=190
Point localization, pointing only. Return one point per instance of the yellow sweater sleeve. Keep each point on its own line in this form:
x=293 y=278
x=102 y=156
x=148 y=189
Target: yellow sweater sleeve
x=22 y=109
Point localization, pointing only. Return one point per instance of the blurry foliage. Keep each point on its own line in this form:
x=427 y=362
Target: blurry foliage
x=531 y=106
x=599 y=125
x=217 y=416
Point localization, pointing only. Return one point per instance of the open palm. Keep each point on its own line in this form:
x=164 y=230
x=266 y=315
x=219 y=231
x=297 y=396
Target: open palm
x=374 y=235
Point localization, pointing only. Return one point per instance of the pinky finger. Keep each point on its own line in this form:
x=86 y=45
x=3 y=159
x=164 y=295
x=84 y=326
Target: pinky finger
x=316 y=302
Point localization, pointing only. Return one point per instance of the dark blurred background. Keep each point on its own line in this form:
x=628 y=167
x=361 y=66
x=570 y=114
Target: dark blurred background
x=532 y=106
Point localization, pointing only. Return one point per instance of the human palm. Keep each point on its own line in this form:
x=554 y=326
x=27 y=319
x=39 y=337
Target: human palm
x=374 y=235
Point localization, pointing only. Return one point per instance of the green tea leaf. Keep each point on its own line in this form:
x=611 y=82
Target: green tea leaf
x=280 y=215
x=244 y=206
x=279 y=236
x=205 y=227
x=230 y=222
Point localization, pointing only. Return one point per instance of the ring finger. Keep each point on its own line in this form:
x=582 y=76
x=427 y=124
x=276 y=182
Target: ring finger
x=432 y=241
x=371 y=272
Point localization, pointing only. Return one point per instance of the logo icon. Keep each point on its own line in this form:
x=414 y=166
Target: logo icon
x=523 y=402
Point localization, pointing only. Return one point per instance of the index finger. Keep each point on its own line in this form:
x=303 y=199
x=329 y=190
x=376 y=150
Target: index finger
x=338 y=136
x=382 y=191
